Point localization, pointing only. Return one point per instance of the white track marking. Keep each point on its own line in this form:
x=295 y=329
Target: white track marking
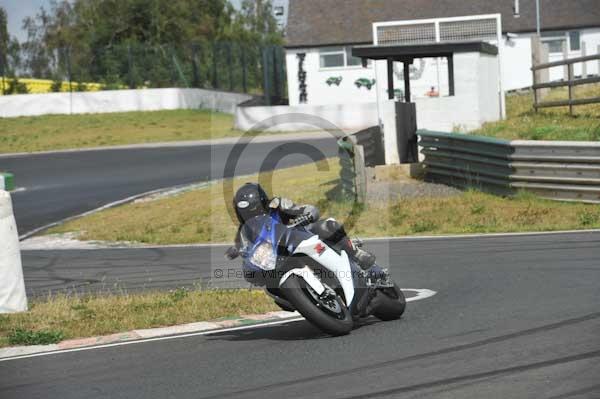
x=421 y=294
x=480 y=235
x=272 y=323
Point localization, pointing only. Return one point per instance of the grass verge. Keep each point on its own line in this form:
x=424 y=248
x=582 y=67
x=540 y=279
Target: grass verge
x=201 y=215
x=64 y=317
x=57 y=132
x=522 y=123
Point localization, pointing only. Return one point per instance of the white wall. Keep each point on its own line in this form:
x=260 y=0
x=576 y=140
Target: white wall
x=118 y=101
x=319 y=92
x=488 y=84
x=516 y=72
x=516 y=63
x=432 y=113
x=425 y=74
x=344 y=116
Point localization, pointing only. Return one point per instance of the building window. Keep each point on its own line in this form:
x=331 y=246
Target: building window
x=554 y=41
x=338 y=57
x=555 y=46
x=278 y=11
x=332 y=57
x=350 y=59
x=574 y=40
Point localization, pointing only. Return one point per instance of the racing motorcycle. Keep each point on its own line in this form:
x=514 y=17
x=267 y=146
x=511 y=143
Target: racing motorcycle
x=303 y=273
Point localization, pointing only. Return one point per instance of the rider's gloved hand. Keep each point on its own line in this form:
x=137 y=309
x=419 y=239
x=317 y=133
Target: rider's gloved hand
x=303 y=220
x=232 y=253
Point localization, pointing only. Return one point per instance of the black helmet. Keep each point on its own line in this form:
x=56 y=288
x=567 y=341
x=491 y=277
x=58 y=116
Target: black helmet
x=249 y=201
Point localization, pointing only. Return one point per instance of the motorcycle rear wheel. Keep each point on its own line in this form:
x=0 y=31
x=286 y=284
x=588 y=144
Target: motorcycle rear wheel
x=391 y=303
x=297 y=293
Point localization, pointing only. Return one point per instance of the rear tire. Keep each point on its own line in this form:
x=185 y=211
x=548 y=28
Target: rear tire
x=296 y=292
x=391 y=303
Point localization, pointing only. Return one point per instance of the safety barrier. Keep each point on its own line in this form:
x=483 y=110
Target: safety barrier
x=7 y=181
x=357 y=152
x=12 y=285
x=567 y=171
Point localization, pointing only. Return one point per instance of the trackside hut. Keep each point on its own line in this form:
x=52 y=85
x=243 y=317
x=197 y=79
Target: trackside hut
x=321 y=35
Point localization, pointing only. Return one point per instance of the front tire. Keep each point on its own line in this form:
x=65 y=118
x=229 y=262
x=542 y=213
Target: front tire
x=391 y=303
x=297 y=293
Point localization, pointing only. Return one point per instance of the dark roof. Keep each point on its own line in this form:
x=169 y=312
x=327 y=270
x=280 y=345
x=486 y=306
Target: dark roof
x=400 y=53
x=324 y=22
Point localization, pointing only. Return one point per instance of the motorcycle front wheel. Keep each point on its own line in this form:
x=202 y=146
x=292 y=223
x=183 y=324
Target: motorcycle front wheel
x=330 y=316
x=391 y=303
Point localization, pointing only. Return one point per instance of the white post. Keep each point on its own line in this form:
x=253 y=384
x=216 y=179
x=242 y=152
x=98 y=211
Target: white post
x=390 y=135
x=500 y=57
x=12 y=286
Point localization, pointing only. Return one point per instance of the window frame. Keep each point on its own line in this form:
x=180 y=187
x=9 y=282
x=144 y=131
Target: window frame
x=563 y=36
x=570 y=37
x=333 y=50
x=338 y=50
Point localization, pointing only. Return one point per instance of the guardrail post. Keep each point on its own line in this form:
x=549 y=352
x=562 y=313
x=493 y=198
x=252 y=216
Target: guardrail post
x=535 y=60
x=361 y=174
x=570 y=79
x=347 y=175
x=584 y=64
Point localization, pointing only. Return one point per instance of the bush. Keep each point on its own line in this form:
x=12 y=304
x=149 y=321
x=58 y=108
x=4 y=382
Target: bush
x=56 y=86
x=20 y=336
x=16 y=87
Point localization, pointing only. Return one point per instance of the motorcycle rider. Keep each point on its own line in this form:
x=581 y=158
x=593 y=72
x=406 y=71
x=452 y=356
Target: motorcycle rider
x=251 y=200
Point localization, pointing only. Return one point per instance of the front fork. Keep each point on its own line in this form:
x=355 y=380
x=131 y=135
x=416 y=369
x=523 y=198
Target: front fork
x=369 y=282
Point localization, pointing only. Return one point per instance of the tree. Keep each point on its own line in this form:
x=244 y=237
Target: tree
x=9 y=59
x=257 y=23
x=146 y=42
x=3 y=48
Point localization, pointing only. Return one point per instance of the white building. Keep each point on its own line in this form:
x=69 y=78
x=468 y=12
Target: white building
x=320 y=35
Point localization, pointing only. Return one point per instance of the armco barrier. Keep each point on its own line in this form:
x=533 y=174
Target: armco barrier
x=12 y=286
x=558 y=170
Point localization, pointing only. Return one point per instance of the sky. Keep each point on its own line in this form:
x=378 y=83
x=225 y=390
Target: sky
x=17 y=10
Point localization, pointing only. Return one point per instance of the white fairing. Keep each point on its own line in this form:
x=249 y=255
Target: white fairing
x=307 y=274
x=339 y=265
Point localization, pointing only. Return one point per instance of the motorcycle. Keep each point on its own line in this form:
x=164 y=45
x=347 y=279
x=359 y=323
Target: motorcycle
x=318 y=279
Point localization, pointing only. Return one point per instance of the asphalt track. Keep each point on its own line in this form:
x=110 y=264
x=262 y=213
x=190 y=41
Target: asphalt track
x=514 y=317
x=61 y=185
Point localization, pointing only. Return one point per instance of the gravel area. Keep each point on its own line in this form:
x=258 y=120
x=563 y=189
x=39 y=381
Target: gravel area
x=384 y=191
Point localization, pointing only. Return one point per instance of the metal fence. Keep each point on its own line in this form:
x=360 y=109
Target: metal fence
x=571 y=82
x=228 y=66
x=568 y=171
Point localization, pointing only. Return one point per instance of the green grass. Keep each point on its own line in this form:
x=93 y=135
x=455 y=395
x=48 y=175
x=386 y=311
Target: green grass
x=522 y=123
x=56 y=132
x=62 y=317
x=201 y=215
